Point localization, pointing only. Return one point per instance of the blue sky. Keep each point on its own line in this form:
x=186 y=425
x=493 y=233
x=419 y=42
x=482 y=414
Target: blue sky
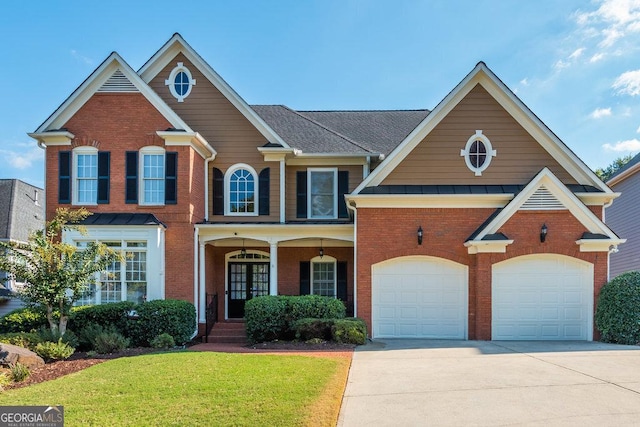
x=575 y=63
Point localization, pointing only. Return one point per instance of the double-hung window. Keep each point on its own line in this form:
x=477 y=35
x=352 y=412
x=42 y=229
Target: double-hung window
x=322 y=191
x=323 y=276
x=86 y=176
x=153 y=170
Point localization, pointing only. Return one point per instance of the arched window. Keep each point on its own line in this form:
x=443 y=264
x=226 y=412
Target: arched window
x=242 y=190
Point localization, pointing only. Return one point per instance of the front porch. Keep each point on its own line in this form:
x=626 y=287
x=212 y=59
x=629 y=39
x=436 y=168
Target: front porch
x=237 y=262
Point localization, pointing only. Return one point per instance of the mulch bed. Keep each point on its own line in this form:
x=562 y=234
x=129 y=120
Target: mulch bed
x=80 y=361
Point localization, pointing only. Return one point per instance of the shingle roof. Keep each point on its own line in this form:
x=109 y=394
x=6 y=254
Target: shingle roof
x=634 y=161
x=19 y=213
x=122 y=219
x=464 y=189
x=345 y=132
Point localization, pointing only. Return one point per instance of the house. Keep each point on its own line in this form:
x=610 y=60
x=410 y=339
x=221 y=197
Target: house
x=21 y=212
x=621 y=217
x=470 y=221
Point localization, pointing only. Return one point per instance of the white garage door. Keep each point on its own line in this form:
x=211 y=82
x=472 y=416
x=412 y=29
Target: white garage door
x=542 y=297
x=419 y=297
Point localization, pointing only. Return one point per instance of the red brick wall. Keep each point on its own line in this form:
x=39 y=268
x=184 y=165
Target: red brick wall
x=127 y=122
x=388 y=233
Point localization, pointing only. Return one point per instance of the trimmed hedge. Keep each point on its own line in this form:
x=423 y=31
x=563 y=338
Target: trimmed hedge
x=618 y=311
x=350 y=331
x=310 y=328
x=174 y=317
x=272 y=317
x=111 y=315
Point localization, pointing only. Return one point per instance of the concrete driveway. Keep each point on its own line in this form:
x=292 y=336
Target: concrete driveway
x=439 y=383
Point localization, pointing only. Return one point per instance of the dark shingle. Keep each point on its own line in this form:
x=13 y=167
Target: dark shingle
x=122 y=219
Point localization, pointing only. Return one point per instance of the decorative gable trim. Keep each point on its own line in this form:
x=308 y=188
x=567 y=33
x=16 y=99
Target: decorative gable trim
x=556 y=189
x=542 y=199
x=118 y=82
x=94 y=82
x=482 y=75
x=177 y=44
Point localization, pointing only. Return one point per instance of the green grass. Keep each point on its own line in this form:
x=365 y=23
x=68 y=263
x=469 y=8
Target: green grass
x=188 y=389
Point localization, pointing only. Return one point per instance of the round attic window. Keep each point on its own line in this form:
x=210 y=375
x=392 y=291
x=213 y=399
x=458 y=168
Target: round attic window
x=180 y=82
x=478 y=153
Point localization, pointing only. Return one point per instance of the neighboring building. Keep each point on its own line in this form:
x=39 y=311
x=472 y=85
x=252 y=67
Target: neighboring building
x=21 y=212
x=469 y=221
x=623 y=216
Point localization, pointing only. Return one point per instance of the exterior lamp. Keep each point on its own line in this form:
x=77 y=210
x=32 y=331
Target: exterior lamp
x=420 y=234
x=543 y=233
x=243 y=251
x=321 y=249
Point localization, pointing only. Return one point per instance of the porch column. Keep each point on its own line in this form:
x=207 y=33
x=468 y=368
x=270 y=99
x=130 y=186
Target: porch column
x=203 y=286
x=273 y=273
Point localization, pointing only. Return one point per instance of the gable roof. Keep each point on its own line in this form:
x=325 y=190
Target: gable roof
x=92 y=84
x=483 y=76
x=175 y=45
x=563 y=199
x=626 y=171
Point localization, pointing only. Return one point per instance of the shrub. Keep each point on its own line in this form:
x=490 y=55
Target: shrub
x=5 y=380
x=163 y=341
x=305 y=306
x=618 y=311
x=19 y=372
x=309 y=328
x=22 y=339
x=107 y=315
x=350 y=331
x=54 y=350
x=110 y=342
x=174 y=317
x=87 y=335
x=265 y=318
x=24 y=319
x=69 y=338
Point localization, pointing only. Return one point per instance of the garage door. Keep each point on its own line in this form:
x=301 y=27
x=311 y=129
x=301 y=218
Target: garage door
x=419 y=297
x=542 y=297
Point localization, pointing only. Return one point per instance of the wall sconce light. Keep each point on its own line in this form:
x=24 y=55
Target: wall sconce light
x=243 y=251
x=420 y=234
x=543 y=233
x=321 y=249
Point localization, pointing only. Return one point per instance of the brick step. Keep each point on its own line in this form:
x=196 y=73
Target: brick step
x=226 y=340
x=227 y=332
x=229 y=326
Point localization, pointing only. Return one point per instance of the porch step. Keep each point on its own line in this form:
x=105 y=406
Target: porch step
x=232 y=332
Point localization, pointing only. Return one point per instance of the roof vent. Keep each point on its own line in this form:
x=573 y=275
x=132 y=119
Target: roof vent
x=542 y=199
x=118 y=82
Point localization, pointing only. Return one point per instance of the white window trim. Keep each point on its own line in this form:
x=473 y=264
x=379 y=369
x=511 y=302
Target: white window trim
x=154 y=151
x=227 y=190
x=310 y=171
x=84 y=150
x=326 y=259
x=478 y=136
x=172 y=78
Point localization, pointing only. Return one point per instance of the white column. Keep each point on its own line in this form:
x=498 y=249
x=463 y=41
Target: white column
x=282 y=190
x=273 y=273
x=203 y=286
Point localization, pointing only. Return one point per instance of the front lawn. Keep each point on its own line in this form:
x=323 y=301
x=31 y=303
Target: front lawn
x=192 y=389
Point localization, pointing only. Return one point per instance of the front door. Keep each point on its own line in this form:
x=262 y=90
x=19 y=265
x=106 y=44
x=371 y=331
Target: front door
x=246 y=280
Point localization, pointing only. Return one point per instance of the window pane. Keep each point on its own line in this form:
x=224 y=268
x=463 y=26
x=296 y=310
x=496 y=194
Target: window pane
x=153 y=178
x=241 y=192
x=322 y=194
x=324 y=283
x=87 y=178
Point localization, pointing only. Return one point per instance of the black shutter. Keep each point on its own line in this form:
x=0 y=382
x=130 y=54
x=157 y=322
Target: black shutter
x=263 y=191
x=171 y=178
x=343 y=188
x=305 y=277
x=64 y=177
x=218 y=192
x=301 y=194
x=341 y=275
x=131 y=171
x=104 y=160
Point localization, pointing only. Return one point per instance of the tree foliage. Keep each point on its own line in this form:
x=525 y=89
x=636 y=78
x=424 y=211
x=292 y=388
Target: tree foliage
x=56 y=273
x=605 y=173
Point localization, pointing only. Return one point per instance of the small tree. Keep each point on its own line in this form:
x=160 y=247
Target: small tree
x=605 y=173
x=56 y=273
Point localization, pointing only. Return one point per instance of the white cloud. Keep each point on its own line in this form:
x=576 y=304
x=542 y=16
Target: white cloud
x=597 y=57
x=576 y=53
x=81 y=58
x=524 y=82
x=599 y=113
x=638 y=130
x=612 y=22
x=23 y=159
x=623 y=146
x=560 y=65
x=628 y=83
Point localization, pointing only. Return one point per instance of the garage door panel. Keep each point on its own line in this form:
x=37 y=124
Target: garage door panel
x=429 y=298
x=542 y=297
